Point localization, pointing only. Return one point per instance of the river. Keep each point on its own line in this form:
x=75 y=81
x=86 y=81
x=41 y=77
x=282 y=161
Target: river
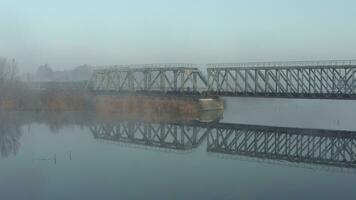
x=79 y=158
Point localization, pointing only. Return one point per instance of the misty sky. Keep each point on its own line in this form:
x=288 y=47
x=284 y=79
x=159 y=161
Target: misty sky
x=68 y=33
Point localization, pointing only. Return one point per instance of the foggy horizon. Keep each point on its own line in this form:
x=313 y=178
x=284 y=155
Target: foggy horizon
x=68 y=34
x=204 y=99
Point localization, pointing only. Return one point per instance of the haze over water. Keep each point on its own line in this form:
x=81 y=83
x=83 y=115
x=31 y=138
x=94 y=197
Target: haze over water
x=63 y=158
x=60 y=139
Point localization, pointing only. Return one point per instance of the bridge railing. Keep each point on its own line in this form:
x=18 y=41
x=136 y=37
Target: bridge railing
x=282 y=64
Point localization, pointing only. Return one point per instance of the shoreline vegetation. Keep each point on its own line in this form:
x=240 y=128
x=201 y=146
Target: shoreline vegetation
x=19 y=96
x=57 y=99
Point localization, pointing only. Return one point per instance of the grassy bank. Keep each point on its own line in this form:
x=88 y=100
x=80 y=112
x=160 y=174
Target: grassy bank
x=63 y=99
x=49 y=100
x=146 y=108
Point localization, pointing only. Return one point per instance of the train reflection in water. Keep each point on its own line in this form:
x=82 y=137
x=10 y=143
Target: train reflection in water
x=294 y=145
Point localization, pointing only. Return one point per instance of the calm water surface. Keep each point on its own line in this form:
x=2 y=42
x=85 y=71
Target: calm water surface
x=72 y=159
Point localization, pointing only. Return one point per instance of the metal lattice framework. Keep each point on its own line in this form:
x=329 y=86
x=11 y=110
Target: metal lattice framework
x=319 y=79
x=148 y=78
x=168 y=136
x=325 y=147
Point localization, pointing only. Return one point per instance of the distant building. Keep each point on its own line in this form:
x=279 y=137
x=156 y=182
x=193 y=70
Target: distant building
x=44 y=73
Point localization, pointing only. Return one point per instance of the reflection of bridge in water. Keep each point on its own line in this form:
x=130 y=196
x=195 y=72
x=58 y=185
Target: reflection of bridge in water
x=276 y=144
x=168 y=136
x=295 y=145
x=318 y=79
x=324 y=147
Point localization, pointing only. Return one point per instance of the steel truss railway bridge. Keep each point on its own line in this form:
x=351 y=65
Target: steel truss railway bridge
x=318 y=79
x=293 y=145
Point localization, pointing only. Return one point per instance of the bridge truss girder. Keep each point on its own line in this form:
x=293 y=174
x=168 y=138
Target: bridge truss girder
x=319 y=80
x=148 y=78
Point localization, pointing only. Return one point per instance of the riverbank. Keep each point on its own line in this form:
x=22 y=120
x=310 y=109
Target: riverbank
x=61 y=100
x=20 y=97
x=48 y=100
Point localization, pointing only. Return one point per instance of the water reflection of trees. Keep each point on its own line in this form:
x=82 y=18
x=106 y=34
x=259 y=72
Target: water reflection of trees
x=58 y=120
x=10 y=134
x=11 y=123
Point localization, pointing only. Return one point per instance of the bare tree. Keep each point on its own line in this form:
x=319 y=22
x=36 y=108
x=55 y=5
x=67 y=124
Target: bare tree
x=12 y=91
x=8 y=70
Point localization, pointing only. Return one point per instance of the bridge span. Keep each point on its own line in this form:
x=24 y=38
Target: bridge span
x=149 y=79
x=318 y=79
